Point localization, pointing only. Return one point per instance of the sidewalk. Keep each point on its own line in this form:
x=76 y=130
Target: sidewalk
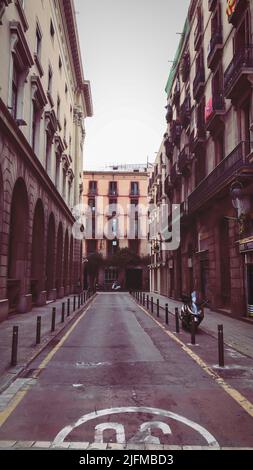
x=27 y=349
x=237 y=334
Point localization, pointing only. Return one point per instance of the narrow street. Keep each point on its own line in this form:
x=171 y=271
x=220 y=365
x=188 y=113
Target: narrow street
x=117 y=377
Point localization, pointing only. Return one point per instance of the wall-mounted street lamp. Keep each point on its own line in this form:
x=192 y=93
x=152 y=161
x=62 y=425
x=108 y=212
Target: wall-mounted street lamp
x=241 y=203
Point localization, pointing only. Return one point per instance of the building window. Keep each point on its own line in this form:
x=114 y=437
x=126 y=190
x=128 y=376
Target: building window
x=65 y=128
x=52 y=31
x=50 y=79
x=48 y=153
x=35 y=126
x=15 y=81
x=69 y=192
x=113 y=188
x=64 y=183
x=134 y=188
x=20 y=62
x=38 y=42
x=111 y=275
x=91 y=246
x=92 y=187
x=57 y=170
x=58 y=110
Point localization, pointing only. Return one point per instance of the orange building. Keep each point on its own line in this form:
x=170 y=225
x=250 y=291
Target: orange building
x=117 y=205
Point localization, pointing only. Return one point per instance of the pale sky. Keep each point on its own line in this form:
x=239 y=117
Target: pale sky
x=126 y=48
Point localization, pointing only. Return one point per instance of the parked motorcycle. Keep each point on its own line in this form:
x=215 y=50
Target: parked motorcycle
x=191 y=310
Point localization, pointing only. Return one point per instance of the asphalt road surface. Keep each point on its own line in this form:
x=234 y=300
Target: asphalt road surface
x=116 y=376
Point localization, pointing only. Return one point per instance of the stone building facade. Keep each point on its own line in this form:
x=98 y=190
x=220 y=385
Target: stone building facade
x=118 y=200
x=44 y=100
x=207 y=154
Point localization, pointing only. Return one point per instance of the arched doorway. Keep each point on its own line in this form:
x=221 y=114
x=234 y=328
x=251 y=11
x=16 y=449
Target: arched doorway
x=50 y=264
x=66 y=263
x=18 y=245
x=59 y=261
x=38 y=249
x=71 y=259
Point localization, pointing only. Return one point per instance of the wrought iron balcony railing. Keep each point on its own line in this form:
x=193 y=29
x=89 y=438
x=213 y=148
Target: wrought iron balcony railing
x=185 y=111
x=242 y=62
x=198 y=83
x=215 y=47
x=221 y=176
x=184 y=160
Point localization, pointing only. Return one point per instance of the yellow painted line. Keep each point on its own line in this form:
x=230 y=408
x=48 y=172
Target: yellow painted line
x=232 y=392
x=4 y=415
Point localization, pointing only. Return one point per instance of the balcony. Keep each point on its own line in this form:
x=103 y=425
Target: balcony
x=159 y=193
x=134 y=194
x=198 y=33
x=168 y=187
x=169 y=113
x=199 y=83
x=176 y=93
x=175 y=175
x=113 y=193
x=198 y=135
x=185 y=67
x=92 y=192
x=185 y=112
x=236 y=74
x=214 y=111
x=168 y=147
x=236 y=163
x=175 y=131
x=236 y=15
x=212 y=5
x=215 y=49
x=184 y=161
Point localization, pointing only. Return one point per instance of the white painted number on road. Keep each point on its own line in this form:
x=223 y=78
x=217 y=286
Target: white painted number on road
x=144 y=433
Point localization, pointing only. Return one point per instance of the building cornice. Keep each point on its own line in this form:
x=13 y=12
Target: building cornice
x=17 y=138
x=83 y=85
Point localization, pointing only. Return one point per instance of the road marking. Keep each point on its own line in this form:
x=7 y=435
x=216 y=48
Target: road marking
x=4 y=415
x=119 y=428
x=232 y=392
x=147 y=427
x=61 y=436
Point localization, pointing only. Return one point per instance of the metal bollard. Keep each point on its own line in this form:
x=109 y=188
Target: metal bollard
x=79 y=301
x=221 y=345
x=38 y=330
x=143 y=300
x=177 y=320
x=157 y=308
x=68 y=307
x=84 y=297
x=63 y=312
x=193 y=332
x=147 y=302
x=14 y=349
x=152 y=305
x=74 y=303
x=166 y=314
x=53 y=319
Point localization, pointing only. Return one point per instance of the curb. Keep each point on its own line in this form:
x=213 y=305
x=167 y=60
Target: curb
x=47 y=445
x=43 y=346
